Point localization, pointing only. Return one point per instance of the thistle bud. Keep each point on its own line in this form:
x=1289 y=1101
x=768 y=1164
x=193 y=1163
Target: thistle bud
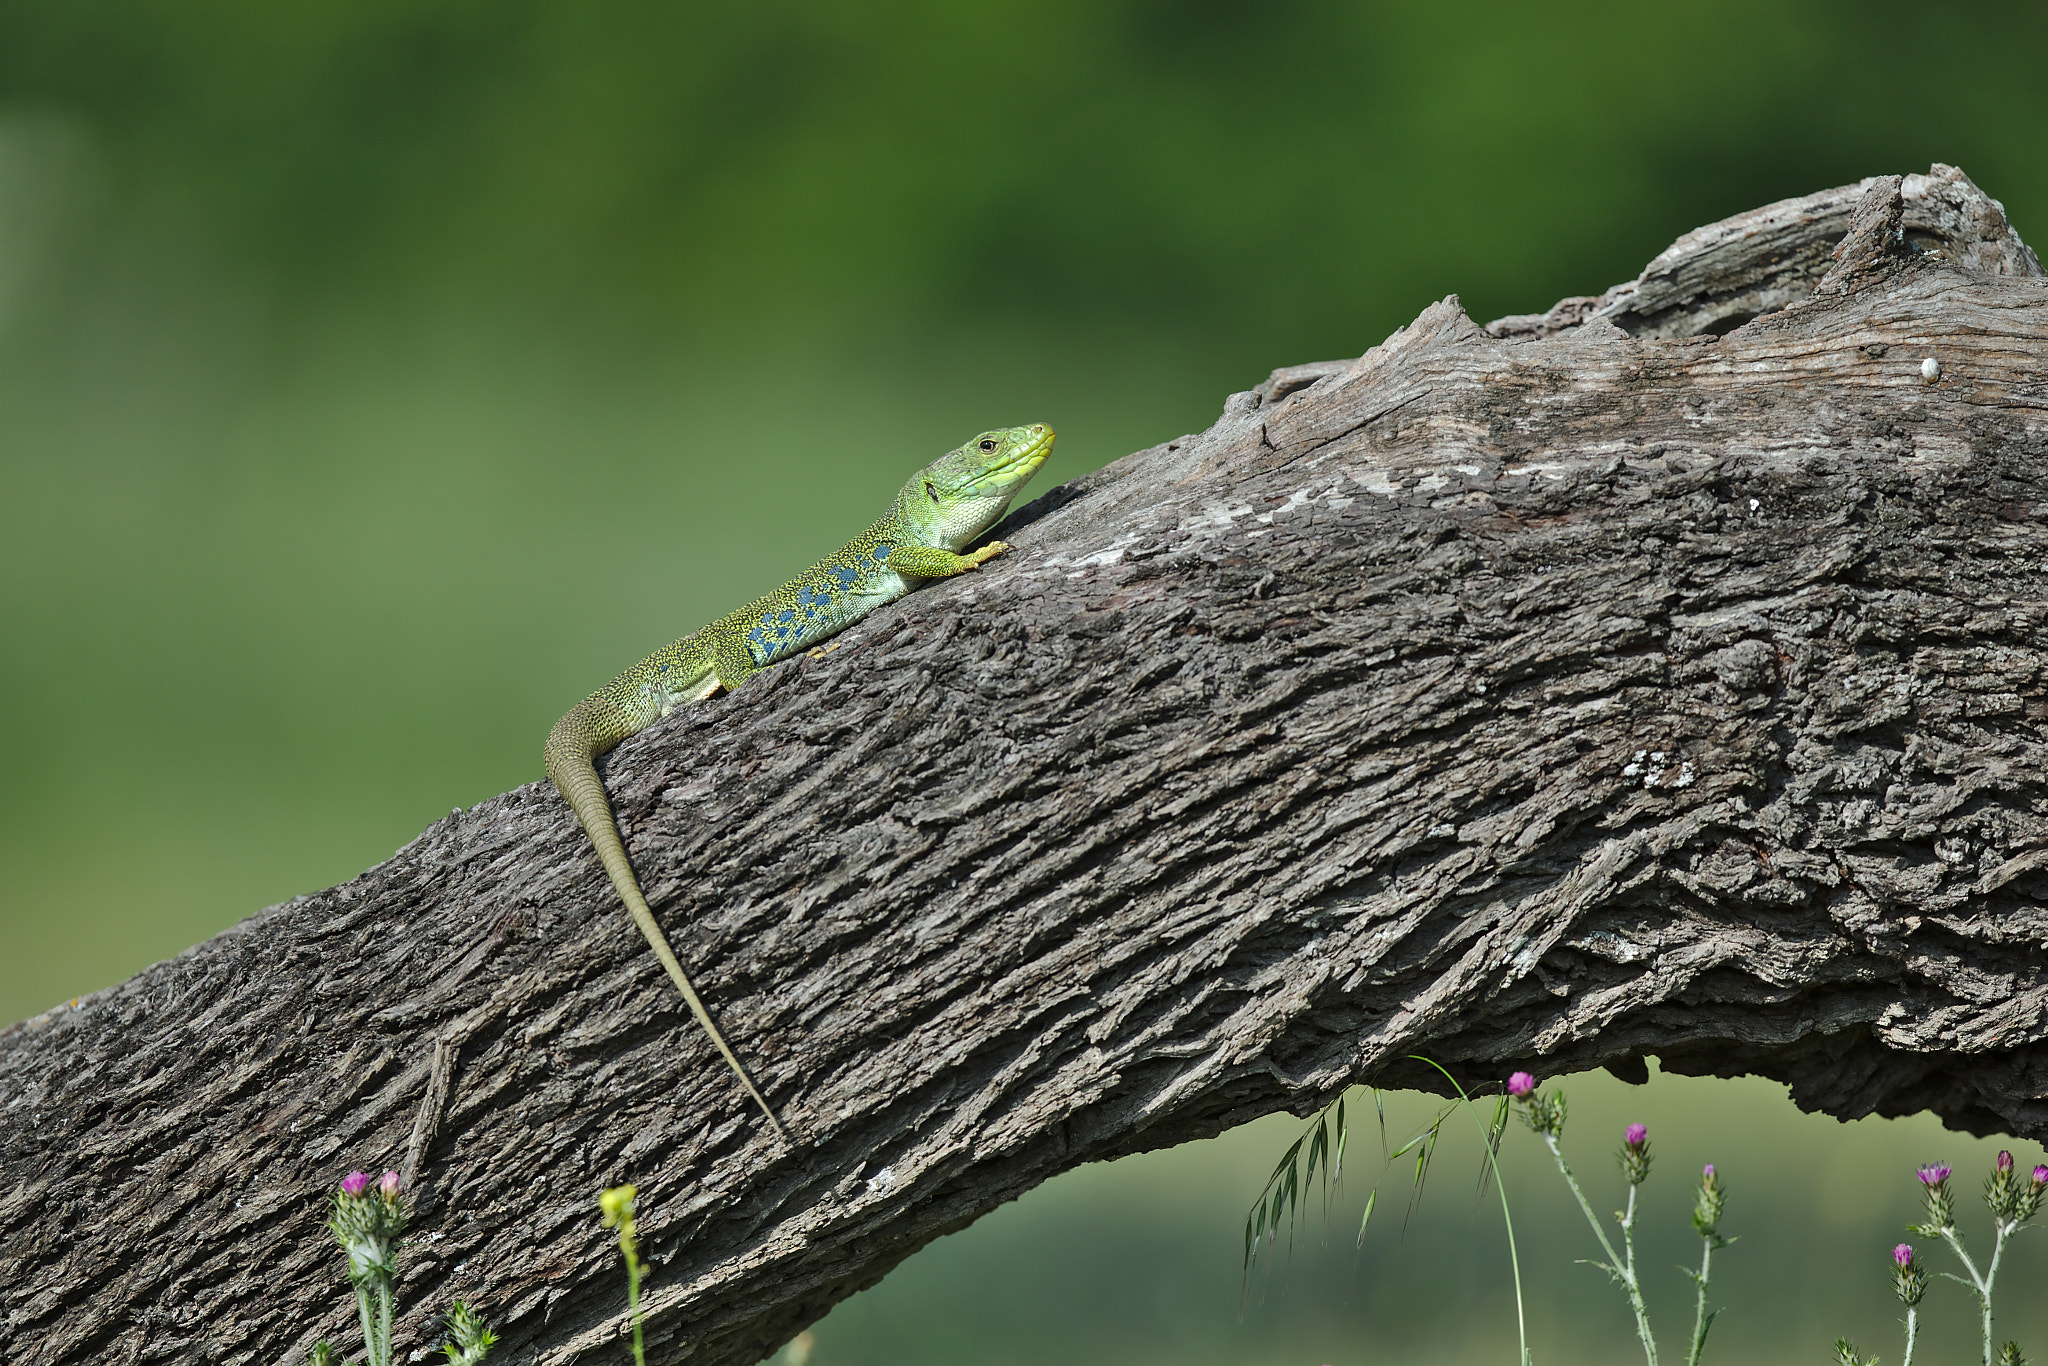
x=1544 y=1114
x=616 y=1205
x=469 y=1337
x=368 y=1228
x=1941 y=1214
x=1635 y=1154
x=2008 y=1198
x=1909 y=1282
x=617 y=1208
x=1707 y=1203
x=2026 y=1196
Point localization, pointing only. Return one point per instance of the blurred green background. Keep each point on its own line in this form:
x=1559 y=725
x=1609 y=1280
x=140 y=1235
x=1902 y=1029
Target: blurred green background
x=377 y=378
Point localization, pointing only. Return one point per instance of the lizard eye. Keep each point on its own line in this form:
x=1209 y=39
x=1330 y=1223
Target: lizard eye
x=931 y=490
x=988 y=445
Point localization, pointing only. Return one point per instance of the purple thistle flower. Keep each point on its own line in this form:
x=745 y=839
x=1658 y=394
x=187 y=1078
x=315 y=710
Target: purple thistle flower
x=355 y=1183
x=1521 y=1084
x=1934 y=1173
x=390 y=1185
x=1635 y=1135
x=1909 y=1282
x=2041 y=1176
x=1707 y=1170
x=2004 y=1163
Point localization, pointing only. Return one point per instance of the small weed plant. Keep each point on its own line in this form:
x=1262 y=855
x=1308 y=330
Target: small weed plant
x=368 y=1220
x=2013 y=1199
x=1544 y=1113
x=2013 y=1196
x=617 y=1207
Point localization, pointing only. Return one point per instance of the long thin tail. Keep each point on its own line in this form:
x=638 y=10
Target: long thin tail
x=571 y=747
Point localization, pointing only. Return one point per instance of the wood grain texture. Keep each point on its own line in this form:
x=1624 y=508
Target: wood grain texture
x=1629 y=679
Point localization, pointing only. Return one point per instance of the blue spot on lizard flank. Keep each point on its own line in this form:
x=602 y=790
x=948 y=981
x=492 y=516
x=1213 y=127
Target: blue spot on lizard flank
x=846 y=575
x=880 y=554
x=756 y=635
x=786 y=617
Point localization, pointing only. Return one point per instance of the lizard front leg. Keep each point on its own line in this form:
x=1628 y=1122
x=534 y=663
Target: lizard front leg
x=931 y=562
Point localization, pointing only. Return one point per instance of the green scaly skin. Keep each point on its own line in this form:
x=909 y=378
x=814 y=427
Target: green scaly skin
x=944 y=507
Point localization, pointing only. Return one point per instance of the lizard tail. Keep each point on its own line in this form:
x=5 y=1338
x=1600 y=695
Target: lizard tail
x=572 y=746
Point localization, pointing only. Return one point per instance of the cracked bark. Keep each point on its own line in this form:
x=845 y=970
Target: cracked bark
x=1660 y=674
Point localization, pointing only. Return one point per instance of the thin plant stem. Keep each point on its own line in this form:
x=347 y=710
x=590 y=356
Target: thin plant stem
x=384 y=1320
x=1635 y=1293
x=2005 y=1231
x=1514 y=1257
x=1699 y=1315
x=1622 y=1270
x=633 y=1307
x=369 y=1318
x=1980 y=1284
x=617 y=1206
x=1550 y=1141
x=1912 y=1332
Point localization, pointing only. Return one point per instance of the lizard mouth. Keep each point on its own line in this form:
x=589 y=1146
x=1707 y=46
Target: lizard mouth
x=1031 y=456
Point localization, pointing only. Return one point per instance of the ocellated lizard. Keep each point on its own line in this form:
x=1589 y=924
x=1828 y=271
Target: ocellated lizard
x=941 y=511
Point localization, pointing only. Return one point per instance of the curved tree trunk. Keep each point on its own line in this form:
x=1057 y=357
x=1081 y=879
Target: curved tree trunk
x=1657 y=675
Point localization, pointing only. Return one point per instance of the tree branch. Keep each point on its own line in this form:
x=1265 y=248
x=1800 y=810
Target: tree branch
x=1546 y=695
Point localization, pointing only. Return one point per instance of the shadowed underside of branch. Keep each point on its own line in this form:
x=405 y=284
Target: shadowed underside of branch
x=1661 y=674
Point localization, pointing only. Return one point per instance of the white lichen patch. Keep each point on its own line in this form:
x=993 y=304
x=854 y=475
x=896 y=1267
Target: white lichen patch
x=1651 y=765
x=1608 y=945
x=1298 y=498
x=881 y=1181
x=1377 y=479
x=1521 y=956
x=1109 y=554
x=1215 y=517
x=1548 y=469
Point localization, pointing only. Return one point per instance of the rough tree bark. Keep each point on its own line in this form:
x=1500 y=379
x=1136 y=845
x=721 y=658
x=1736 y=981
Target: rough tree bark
x=1657 y=675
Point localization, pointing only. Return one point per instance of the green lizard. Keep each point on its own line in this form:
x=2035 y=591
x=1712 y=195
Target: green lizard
x=943 y=508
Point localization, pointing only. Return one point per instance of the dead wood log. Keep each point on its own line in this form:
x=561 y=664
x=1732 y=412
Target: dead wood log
x=1658 y=675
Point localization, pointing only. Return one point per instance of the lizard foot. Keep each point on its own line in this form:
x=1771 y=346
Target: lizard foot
x=820 y=651
x=989 y=552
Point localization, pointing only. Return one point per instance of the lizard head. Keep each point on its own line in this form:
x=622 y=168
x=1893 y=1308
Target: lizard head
x=966 y=491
